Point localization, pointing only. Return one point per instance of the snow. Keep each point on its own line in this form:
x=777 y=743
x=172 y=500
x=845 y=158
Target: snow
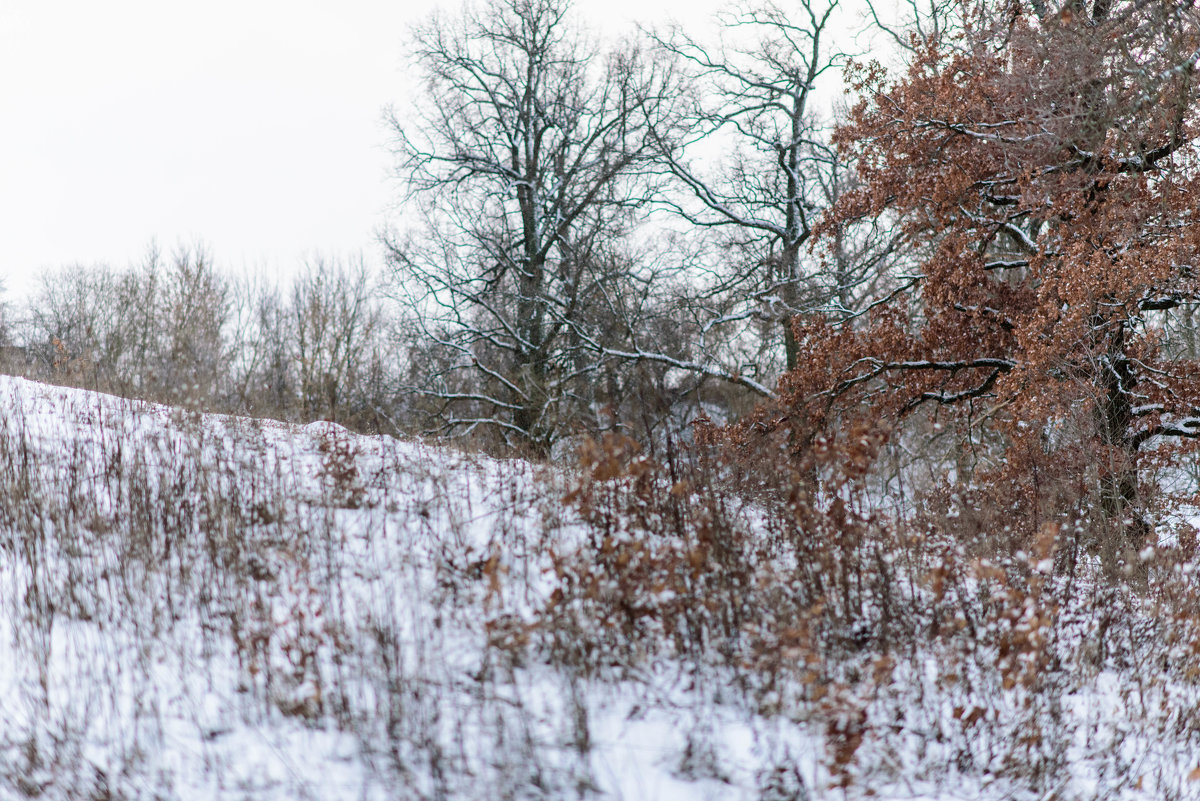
x=146 y=686
x=301 y=612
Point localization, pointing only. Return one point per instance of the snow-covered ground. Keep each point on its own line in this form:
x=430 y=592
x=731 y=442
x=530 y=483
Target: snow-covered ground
x=207 y=607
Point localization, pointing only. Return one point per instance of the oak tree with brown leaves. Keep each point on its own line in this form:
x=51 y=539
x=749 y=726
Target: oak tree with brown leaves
x=1043 y=165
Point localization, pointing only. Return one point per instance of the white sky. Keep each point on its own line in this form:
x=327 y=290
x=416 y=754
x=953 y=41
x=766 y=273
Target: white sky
x=253 y=126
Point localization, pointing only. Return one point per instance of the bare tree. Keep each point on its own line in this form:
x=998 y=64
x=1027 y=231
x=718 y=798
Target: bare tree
x=263 y=372
x=909 y=24
x=756 y=88
x=528 y=156
x=193 y=352
x=336 y=323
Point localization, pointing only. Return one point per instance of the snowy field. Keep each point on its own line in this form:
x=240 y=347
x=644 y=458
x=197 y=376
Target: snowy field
x=206 y=607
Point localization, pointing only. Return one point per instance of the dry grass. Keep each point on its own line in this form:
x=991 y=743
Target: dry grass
x=198 y=607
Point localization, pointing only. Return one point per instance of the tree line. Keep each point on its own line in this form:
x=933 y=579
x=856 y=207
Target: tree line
x=173 y=328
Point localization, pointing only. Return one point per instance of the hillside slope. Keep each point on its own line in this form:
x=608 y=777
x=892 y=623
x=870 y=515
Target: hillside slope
x=201 y=607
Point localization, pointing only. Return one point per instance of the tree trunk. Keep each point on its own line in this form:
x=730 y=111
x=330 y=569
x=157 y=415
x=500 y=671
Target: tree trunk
x=1119 y=473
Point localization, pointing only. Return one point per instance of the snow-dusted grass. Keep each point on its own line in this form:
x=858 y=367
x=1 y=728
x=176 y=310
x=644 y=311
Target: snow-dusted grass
x=206 y=607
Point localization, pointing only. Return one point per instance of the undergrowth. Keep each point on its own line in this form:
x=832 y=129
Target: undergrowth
x=919 y=647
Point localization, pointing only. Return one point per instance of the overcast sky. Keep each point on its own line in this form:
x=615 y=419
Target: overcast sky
x=252 y=126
